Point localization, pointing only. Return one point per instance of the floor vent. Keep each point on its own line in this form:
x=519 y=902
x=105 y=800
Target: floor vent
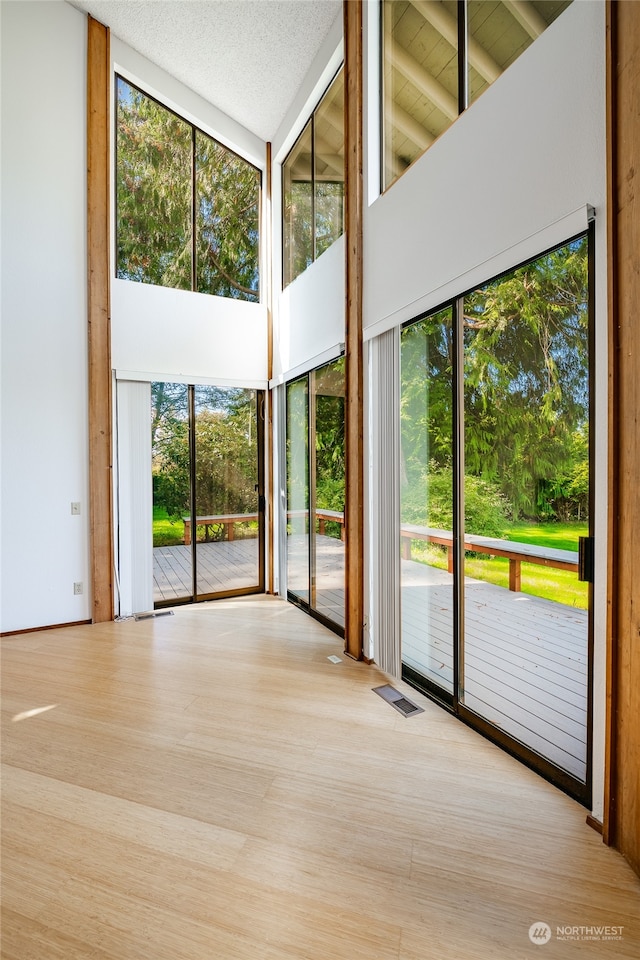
x=397 y=700
x=152 y=614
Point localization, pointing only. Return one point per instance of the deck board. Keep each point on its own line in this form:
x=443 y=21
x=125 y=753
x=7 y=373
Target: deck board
x=525 y=659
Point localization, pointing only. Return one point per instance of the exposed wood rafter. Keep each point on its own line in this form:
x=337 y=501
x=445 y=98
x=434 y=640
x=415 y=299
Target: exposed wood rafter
x=447 y=26
x=527 y=16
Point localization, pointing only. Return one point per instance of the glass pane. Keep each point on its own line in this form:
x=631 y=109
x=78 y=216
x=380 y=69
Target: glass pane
x=329 y=165
x=526 y=449
x=499 y=32
x=420 y=78
x=298 y=489
x=328 y=473
x=227 y=222
x=226 y=442
x=172 y=562
x=153 y=192
x=298 y=208
x=426 y=497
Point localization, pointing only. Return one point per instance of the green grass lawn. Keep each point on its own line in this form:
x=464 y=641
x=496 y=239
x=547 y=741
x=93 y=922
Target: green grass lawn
x=166 y=532
x=562 y=586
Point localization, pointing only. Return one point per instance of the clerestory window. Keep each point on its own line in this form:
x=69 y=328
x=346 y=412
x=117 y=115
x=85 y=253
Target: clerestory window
x=313 y=185
x=439 y=56
x=187 y=208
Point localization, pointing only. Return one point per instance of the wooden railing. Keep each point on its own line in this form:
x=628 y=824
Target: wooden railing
x=228 y=522
x=515 y=552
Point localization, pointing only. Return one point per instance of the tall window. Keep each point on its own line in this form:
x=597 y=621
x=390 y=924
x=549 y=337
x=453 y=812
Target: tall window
x=313 y=185
x=187 y=208
x=438 y=56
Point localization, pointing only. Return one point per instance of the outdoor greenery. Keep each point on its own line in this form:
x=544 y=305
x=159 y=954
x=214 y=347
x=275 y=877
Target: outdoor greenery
x=156 y=153
x=526 y=418
x=226 y=465
x=327 y=390
x=525 y=400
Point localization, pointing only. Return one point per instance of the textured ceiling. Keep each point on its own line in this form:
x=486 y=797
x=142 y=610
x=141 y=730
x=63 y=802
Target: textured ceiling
x=248 y=57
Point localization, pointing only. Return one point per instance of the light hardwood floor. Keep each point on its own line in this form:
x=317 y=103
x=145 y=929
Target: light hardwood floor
x=208 y=786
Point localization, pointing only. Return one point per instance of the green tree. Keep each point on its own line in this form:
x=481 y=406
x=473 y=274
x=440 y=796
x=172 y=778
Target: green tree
x=156 y=152
x=526 y=374
x=225 y=445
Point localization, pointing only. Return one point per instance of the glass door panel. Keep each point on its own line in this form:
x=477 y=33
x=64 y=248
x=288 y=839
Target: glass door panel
x=327 y=488
x=426 y=497
x=227 y=485
x=526 y=503
x=298 y=573
x=171 y=467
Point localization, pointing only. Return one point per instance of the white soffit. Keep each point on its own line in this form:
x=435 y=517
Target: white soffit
x=247 y=57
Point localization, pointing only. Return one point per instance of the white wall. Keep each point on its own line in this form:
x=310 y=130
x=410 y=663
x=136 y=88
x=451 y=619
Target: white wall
x=160 y=332
x=157 y=333
x=311 y=314
x=530 y=151
x=44 y=548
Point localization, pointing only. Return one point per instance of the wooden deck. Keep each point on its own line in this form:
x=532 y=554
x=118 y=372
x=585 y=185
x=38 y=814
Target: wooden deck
x=225 y=566
x=328 y=595
x=525 y=659
x=222 y=566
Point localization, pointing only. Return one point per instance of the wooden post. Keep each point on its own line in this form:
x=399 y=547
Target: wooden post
x=354 y=496
x=621 y=825
x=268 y=413
x=99 y=340
x=515 y=568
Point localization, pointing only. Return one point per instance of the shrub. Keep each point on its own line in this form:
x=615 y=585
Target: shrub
x=428 y=502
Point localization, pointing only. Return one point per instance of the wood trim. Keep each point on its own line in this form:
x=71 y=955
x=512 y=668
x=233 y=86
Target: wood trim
x=98 y=266
x=268 y=413
x=48 y=626
x=354 y=494
x=609 y=816
x=622 y=812
x=594 y=824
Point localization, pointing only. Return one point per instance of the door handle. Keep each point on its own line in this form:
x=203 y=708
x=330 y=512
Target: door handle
x=586 y=559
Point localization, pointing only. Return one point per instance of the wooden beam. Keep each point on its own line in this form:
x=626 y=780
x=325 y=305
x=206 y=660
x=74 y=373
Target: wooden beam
x=354 y=195
x=527 y=16
x=411 y=127
x=447 y=25
x=622 y=808
x=100 y=429
x=268 y=297
x=402 y=60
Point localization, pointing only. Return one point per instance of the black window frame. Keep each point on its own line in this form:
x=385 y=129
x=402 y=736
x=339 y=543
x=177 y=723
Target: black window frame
x=309 y=123
x=195 y=129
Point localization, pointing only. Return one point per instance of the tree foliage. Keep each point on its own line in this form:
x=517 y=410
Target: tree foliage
x=226 y=459
x=526 y=402
x=156 y=151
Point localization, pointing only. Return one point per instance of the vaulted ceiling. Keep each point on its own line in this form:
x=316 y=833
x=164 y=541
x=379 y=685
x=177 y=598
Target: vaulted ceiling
x=248 y=57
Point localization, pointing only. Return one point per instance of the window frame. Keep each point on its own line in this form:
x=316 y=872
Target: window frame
x=309 y=123
x=194 y=129
x=463 y=95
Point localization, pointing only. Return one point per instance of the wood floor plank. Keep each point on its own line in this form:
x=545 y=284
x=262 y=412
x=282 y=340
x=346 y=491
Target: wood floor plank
x=184 y=799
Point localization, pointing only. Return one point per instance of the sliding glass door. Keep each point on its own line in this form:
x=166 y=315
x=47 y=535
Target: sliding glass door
x=426 y=502
x=496 y=509
x=207 y=492
x=315 y=493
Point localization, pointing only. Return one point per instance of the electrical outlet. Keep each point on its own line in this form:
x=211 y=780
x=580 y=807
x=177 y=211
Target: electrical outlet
x=75 y=509
x=77 y=589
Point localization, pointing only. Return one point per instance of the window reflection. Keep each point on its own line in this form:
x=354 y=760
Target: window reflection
x=421 y=54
